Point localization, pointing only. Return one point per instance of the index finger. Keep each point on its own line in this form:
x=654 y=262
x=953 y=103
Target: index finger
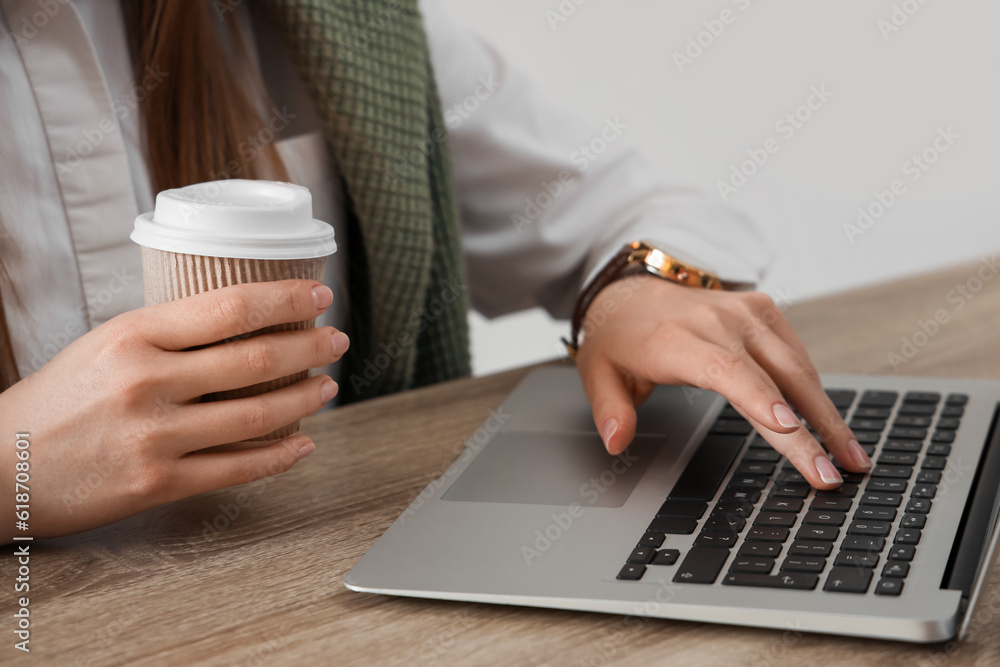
x=222 y=313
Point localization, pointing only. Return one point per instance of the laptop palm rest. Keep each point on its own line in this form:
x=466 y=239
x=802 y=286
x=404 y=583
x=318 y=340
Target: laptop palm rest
x=546 y=468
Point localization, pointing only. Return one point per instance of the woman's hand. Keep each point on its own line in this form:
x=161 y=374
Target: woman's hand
x=114 y=426
x=644 y=331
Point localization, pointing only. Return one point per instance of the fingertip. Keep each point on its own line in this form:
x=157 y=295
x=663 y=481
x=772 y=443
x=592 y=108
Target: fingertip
x=305 y=450
x=608 y=431
x=322 y=296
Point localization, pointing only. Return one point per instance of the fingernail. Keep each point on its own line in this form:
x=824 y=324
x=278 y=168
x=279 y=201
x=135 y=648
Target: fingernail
x=322 y=296
x=340 y=343
x=328 y=391
x=859 y=455
x=827 y=472
x=306 y=450
x=785 y=416
x=608 y=431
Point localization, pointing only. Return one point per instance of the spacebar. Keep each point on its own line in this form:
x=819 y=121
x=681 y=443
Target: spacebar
x=707 y=468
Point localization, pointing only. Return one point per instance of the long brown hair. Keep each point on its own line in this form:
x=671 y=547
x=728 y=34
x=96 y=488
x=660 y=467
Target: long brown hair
x=199 y=115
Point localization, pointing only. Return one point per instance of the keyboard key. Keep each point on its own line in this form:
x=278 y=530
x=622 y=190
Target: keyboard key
x=902 y=552
x=758 y=442
x=907 y=433
x=729 y=412
x=907 y=536
x=792 y=505
x=790 y=491
x=879 y=399
x=653 y=540
x=939 y=449
x=632 y=572
x=672 y=525
x=666 y=557
x=913 y=521
x=821 y=503
x=822 y=533
x=701 y=565
x=821 y=518
x=889 y=587
x=872 y=413
x=871 y=528
x=724 y=524
x=733 y=508
x=957 y=399
x=923 y=491
x=868 y=424
x=761 y=534
x=841 y=398
x=754 y=565
x=928 y=477
x=943 y=436
x=754 y=482
x=887 y=484
x=707 y=468
x=852 y=477
x=688 y=509
x=882 y=499
x=775 y=519
x=789 y=476
x=848 y=580
x=856 y=559
x=910 y=446
x=856 y=543
x=867 y=438
x=897 y=570
x=952 y=411
x=842 y=491
x=817 y=549
x=867 y=513
x=917 y=409
x=918 y=506
x=896 y=472
x=803 y=564
x=931 y=397
x=766 y=455
x=920 y=421
x=731 y=427
x=640 y=555
x=934 y=463
x=760 y=549
x=798 y=581
x=716 y=539
x=754 y=468
x=948 y=424
x=897 y=458
x=743 y=495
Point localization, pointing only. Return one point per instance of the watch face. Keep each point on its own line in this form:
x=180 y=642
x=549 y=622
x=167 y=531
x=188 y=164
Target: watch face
x=681 y=256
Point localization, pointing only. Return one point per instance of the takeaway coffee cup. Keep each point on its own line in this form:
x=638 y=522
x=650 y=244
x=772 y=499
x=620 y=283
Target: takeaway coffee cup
x=211 y=235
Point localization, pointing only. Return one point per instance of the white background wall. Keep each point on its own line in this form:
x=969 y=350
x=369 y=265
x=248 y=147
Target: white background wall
x=941 y=68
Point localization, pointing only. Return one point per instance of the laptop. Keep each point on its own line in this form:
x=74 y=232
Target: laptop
x=701 y=520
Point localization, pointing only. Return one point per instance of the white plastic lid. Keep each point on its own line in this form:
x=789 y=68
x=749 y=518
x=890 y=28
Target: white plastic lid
x=236 y=218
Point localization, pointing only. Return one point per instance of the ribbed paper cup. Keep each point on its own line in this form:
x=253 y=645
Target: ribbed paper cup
x=168 y=276
x=270 y=224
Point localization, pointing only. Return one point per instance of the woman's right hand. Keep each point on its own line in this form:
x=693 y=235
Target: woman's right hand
x=115 y=426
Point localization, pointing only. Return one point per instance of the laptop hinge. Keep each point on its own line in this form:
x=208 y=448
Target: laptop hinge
x=974 y=545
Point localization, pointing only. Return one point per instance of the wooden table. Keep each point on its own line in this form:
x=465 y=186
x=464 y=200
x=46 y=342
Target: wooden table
x=253 y=575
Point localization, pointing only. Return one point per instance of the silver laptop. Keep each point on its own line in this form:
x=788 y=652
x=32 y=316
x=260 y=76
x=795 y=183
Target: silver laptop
x=701 y=520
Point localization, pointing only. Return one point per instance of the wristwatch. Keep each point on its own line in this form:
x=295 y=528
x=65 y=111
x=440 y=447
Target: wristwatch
x=649 y=257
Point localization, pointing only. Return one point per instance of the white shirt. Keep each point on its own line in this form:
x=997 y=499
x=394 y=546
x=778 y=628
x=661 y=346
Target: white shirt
x=545 y=198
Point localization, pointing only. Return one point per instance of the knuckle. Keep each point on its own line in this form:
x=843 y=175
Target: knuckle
x=258 y=417
x=149 y=480
x=229 y=310
x=260 y=357
x=757 y=301
x=323 y=351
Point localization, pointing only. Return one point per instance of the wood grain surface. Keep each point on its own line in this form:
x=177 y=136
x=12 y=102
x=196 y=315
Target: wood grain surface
x=253 y=575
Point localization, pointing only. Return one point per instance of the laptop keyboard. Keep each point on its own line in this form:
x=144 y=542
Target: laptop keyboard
x=776 y=531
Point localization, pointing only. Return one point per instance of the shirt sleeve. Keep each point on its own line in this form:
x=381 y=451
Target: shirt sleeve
x=546 y=198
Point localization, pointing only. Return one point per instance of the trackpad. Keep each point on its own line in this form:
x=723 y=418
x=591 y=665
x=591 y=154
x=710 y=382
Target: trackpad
x=539 y=468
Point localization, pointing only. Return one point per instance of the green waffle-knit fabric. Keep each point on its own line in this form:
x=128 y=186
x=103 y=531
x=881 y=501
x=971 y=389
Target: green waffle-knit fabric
x=367 y=66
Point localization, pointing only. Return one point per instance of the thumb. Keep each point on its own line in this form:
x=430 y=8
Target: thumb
x=612 y=405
